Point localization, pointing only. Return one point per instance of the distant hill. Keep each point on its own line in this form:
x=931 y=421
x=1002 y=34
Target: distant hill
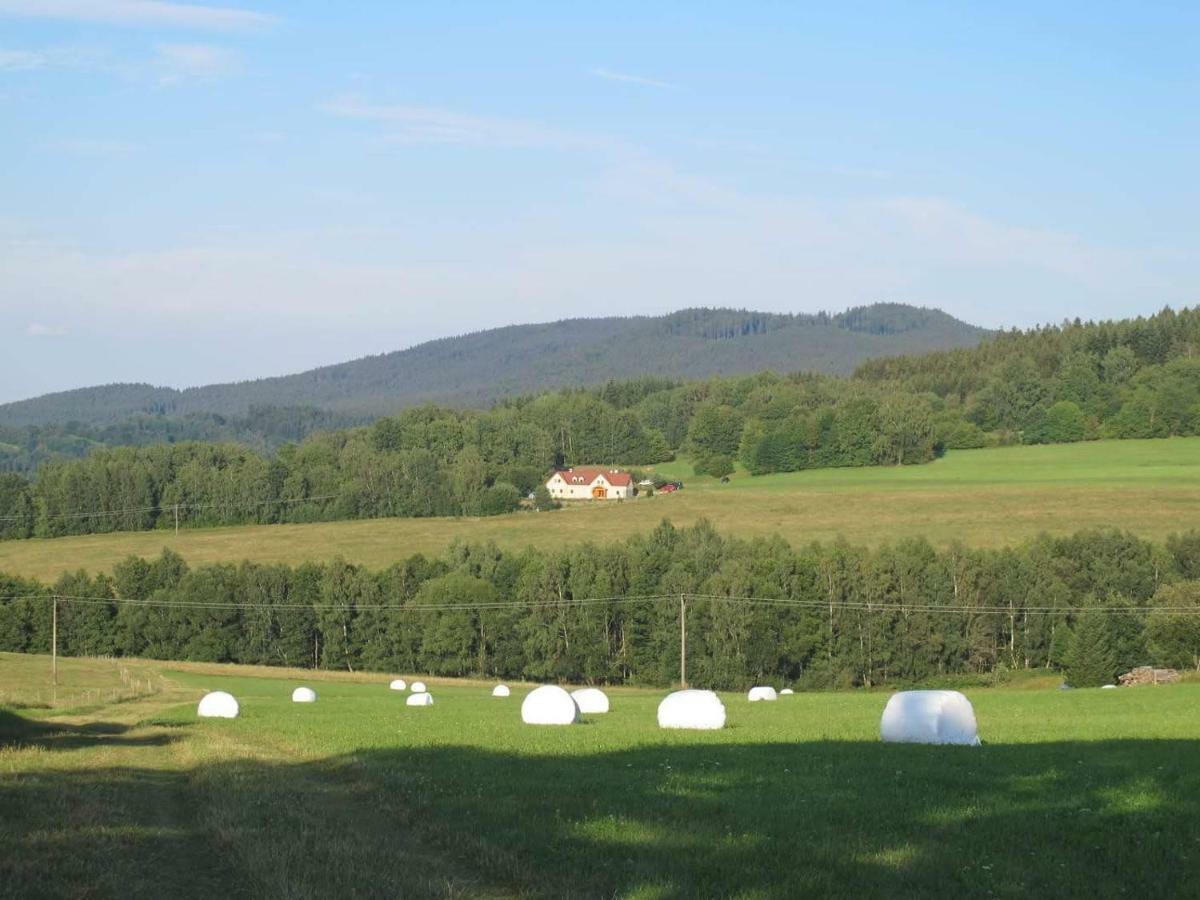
x=474 y=370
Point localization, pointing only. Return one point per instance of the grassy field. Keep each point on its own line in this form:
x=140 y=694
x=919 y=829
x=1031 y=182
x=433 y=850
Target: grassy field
x=988 y=497
x=1074 y=794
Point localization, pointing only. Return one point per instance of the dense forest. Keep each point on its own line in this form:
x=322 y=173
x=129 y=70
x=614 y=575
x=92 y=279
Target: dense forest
x=1095 y=604
x=1132 y=379
x=475 y=370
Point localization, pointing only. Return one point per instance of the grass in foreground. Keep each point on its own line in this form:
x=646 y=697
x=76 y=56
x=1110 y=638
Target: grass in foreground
x=1082 y=793
x=983 y=497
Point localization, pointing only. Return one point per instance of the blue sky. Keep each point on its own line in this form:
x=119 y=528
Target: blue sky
x=196 y=193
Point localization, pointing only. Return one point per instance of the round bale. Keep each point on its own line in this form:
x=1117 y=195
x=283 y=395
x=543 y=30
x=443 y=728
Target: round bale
x=701 y=710
x=218 y=705
x=422 y=698
x=591 y=700
x=418 y=687
x=399 y=685
x=501 y=690
x=549 y=705
x=786 y=692
x=761 y=693
x=929 y=717
x=304 y=695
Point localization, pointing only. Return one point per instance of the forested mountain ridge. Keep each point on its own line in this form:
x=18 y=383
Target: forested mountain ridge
x=474 y=370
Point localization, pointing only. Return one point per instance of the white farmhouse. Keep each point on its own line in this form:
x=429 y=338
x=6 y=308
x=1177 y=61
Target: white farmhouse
x=590 y=483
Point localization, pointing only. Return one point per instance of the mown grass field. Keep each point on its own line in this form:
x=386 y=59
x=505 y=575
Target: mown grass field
x=990 y=497
x=1073 y=794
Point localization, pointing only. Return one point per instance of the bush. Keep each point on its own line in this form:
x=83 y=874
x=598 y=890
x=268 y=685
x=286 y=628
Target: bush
x=542 y=500
x=500 y=498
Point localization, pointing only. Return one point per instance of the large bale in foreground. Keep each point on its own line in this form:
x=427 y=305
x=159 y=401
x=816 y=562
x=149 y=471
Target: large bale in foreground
x=423 y=698
x=218 y=705
x=549 y=705
x=304 y=695
x=929 y=717
x=590 y=700
x=701 y=710
x=501 y=690
x=399 y=685
x=418 y=687
x=761 y=693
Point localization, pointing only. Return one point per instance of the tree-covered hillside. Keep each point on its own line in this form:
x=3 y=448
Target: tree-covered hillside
x=1139 y=378
x=475 y=370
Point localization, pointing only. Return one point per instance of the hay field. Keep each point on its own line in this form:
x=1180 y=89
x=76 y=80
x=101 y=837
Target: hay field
x=1074 y=794
x=990 y=497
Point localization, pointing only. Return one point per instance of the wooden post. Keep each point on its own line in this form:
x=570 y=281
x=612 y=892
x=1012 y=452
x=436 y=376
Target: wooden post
x=176 y=520
x=682 y=641
x=54 y=639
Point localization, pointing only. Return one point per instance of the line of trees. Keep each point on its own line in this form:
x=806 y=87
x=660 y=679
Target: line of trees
x=1132 y=379
x=898 y=614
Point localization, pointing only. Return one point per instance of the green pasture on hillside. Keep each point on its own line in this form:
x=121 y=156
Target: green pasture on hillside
x=1073 y=794
x=992 y=497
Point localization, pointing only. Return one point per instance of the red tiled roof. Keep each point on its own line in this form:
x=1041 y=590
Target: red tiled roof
x=615 y=477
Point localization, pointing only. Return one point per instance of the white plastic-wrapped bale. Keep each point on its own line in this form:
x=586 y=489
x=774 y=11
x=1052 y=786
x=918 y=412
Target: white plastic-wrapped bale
x=549 y=705
x=423 y=698
x=399 y=685
x=304 y=695
x=1107 y=687
x=218 y=705
x=418 y=687
x=701 y=710
x=501 y=690
x=761 y=693
x=929 y=717
x=591 y=700
x=786 y=692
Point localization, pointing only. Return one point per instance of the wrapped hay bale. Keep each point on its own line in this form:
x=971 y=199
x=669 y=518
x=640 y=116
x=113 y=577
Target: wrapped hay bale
x=418 y=687
x=399 y=685
x=701 y=710
x=549 y=705
x=786 y=692
x=501 y=690
x=929 y=717
x=218 y=705
x=591 y=700
x=423 y=698
x=761 y=693
x=304 y=695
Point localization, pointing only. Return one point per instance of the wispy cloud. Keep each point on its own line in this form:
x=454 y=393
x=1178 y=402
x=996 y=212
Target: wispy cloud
x=431 y=125
x=139 y=12
x=20 y=60
x=91 y=147
x=38 y=329
x=610 y=75
x=202 y=62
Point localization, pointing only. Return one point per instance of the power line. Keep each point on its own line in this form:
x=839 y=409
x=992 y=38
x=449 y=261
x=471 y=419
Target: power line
x=823 y=605
x=167 y=507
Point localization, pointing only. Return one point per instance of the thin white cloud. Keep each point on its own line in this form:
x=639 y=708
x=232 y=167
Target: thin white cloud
x=610 y=75
x=38 y=329
x=91 y=147
x=431 y=125
x=198 y=62
x=21 y=60
x=139 y=12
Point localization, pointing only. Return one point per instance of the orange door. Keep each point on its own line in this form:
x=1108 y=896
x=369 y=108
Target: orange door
x=599 y=493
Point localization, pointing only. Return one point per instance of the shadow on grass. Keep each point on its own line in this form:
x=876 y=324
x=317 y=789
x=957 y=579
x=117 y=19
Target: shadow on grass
x=667 y=821
x=18 y=731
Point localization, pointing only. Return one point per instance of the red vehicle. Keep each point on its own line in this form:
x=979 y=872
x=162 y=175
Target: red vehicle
x=668 y=489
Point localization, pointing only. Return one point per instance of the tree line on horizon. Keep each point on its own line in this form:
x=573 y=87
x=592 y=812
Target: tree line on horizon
x=1093 y=605
x=1132 y=379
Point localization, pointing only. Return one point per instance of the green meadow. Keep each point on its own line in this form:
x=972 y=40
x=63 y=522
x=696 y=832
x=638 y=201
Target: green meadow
x=992 y=497
x=1074 y=793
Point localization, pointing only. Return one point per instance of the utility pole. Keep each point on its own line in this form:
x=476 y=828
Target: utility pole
x=682 y=641
x=54 y=639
